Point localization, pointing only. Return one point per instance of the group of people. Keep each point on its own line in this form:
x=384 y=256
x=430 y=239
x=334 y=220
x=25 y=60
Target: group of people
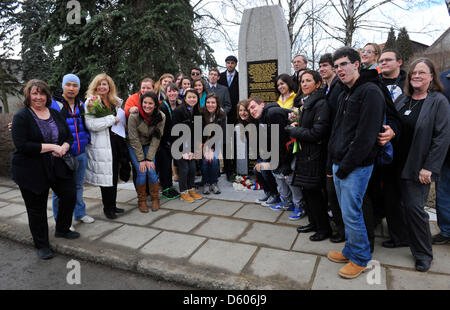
x=361 y=138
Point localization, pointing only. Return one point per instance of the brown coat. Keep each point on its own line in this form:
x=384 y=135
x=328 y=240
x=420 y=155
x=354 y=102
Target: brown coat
x=140 y=134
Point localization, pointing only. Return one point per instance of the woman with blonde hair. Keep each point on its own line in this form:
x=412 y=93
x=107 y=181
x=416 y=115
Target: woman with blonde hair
x=160 y=86
x=370 y=55
x=105 y=150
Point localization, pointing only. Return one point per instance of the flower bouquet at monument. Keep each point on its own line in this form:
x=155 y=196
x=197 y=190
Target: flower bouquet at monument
x=294 y=117
x=96 y=108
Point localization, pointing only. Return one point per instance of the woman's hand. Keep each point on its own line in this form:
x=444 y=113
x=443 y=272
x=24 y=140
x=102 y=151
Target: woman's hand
x=142 y=167
x=425 y=176
x=150 y=165
x=133 y=110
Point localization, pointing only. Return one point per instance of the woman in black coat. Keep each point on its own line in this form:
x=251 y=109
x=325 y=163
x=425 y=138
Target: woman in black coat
x=42 y=137
x=311 y=134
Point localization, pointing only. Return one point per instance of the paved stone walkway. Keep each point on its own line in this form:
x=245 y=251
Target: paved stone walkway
x=224 y=241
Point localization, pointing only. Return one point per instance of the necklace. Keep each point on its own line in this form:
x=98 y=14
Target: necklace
x=407 y=112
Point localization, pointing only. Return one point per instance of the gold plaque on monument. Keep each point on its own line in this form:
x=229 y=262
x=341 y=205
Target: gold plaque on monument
x=261 y=79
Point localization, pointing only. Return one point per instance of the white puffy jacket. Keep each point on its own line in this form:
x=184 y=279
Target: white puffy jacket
x=99 y=169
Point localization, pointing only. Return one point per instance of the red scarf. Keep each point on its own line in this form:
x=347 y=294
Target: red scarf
x=145 y=116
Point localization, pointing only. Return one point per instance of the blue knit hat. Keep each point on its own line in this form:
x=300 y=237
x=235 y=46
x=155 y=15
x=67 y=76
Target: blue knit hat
x=70 y=78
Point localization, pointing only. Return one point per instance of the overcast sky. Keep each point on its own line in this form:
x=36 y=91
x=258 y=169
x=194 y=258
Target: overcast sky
x=425 y=23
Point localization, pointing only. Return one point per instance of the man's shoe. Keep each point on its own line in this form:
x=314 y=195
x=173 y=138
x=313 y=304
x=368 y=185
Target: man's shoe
x=67 y=235
x=110 y=215
x=215 y=189
x=351 y=270
x=440 y=239
x=263 y=199
x=307 y=228
x=422 y=265
x=194 y=194
x=277 y=206
x=337 y=238
x=45 y=253
x=87 y=219
x=206 y=189
x=274 y=199
x=337 y=257
x=297 y=214
x=391 y=244
x=118 y=210
x=318 y=236
x=186 y=197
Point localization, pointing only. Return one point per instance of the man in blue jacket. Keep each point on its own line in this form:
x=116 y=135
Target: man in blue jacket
x=352 y=149
x=72 y=108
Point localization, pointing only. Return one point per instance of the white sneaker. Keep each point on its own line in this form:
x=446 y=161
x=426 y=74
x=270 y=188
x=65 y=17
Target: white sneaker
x=87 y=219
x=72 y=228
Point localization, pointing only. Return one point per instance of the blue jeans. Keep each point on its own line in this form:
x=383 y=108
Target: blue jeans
x=443 y=200
x=350 y=193
x=210 y=171
x=141 y=178
x=80 y=206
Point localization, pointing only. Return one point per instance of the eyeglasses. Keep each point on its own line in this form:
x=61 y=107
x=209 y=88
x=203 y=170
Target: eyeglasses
x=195 y=73
x=419 y=73
x=386 y=60
x=342 y=65
x=368 y=52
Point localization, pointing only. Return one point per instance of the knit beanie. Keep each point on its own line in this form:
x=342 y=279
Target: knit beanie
x=70 y=78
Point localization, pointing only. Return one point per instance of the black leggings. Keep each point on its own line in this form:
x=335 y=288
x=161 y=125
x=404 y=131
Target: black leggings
x=186 y=174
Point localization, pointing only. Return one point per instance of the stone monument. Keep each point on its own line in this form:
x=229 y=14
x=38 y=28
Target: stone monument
x=264 y=52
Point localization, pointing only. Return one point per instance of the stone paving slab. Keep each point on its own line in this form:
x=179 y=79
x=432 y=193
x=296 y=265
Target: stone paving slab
x=223 y=255
x=441 y=259
x=4 y=189
x=327 y=278
x=257 y=213
x=173 y=245
x=11 y=194
x=218 y=207
x=303 y=244
x=294 y=270
x=12 y=210
x=179 y=222
x=140 y=236
x=3 y=204
x=270 y=235
x=222 y=228
x=96 y=230
x=177 y=204
x=125 y=195
x=136 y=217
x=412 y=280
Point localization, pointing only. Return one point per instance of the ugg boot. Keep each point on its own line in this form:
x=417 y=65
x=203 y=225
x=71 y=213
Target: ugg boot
x=154 y=194
x=142 y=198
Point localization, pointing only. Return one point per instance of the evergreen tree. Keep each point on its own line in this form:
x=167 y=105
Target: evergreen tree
x=391 y=41
x=9 y=85
x=36 y=57
x=404 y=45
x=126 y=39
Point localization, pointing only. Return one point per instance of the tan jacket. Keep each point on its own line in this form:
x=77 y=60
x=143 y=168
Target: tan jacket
x=140 y=134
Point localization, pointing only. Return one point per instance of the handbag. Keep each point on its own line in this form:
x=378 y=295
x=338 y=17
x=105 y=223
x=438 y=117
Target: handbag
x=71 y=161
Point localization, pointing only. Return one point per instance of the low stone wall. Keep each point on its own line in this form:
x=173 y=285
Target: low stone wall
x=6 y=145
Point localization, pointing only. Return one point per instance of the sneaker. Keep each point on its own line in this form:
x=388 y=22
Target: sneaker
x=263 y=199
x=277 y=207
x=71 y=228
x=274 y=199
x=87 y=219
x=206 y=189
x=297 y=214
x=440 y=239
x=215 y=189
x=194 y=194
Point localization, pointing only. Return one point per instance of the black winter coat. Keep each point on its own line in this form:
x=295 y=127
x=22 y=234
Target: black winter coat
x=181 y=115
x=312 y=137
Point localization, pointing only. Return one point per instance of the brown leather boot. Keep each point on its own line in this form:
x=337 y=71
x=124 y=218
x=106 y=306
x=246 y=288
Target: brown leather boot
x=142 y=198
x=154 y=194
